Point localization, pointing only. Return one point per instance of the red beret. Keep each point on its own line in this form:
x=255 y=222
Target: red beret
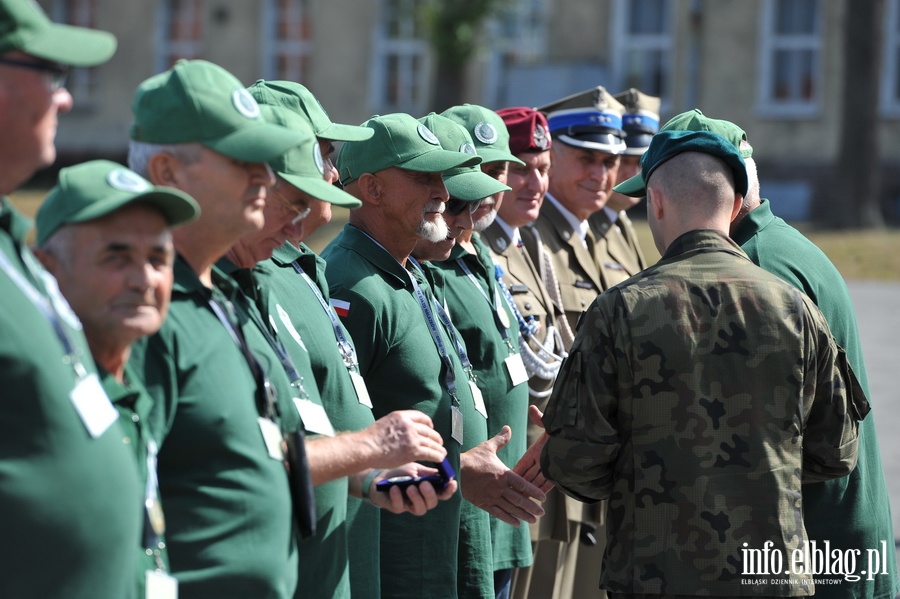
x=528 y=130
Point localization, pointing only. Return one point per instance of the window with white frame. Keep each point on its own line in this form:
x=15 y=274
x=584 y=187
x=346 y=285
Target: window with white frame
x=643 y=43
x=82 y=82
x=180 y=32
x=890 y=79
x=401 y=59
x=790 y=63
x=286 y=43
x=518 y=40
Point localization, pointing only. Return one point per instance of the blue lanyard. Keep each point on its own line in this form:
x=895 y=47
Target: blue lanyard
x=504 y=331
x=347 y=350
x=527 y=328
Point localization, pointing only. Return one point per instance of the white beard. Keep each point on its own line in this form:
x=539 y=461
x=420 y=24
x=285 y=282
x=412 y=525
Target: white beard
x=436 y=230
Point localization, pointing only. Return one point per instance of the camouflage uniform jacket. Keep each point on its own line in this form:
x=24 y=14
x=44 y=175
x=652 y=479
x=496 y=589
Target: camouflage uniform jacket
x=697 y=397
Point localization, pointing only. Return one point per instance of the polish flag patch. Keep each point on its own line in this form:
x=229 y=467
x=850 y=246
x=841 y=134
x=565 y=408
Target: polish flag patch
x=341 y=307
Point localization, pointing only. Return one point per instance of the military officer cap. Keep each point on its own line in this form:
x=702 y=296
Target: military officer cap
x=528 y=129
x=25 y=28
x=669 y=143
x=591 y=120
x=300 y=100
x=200 y=102
x=398 y=140
x=488 y=131
x=466 y=183
x=640 y=121
x=94 y=189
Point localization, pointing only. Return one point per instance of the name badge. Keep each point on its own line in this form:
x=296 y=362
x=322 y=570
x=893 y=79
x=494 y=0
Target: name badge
x=584 y=285
x=93 y=406
x=456 y=424
x=314 y=418
x=515 y=368
x=479 y=399
x=160 y=585
x=272 y=436
x=362 y=392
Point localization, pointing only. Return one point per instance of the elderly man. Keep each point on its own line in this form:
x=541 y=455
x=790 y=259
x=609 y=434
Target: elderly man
x=405 y=353
x=210 y=370
x=587 y=142
x=701 y=422
x=390 y=442
x=69 y=486
x=103 y=232
x=861 y=498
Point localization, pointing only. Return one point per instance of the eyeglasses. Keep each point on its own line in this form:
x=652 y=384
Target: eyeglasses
x=291 y=207
x=56 y=73
x=455 y=206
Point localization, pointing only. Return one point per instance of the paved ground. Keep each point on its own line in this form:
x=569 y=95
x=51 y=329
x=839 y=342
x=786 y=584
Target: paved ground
x=878 y=311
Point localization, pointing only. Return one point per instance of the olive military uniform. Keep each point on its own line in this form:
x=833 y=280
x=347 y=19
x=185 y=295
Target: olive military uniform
x=618 y=254
x=862 y=497
x=698 y=397
x=403 y=370
x=490 y=331
x=70 y=500
x=227 y=501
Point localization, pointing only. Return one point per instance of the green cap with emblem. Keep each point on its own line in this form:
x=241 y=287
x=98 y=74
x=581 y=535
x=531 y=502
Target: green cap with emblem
x=198 y=101
x=464 y=182
x=25 y=27
x=94 y=189
x=299 y=99
x=669 y=143
x=398 y=140
x=303 y=166
x=487 y=129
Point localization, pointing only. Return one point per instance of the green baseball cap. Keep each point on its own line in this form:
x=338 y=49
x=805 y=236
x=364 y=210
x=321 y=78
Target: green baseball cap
x=464 y=182
x=297 y=98
x=94 y=189
x=694 y=120
x=303 y=166
x=398 y=140
x=198 y=101
x=487 y=129
x=25 y=27
x=669 y=143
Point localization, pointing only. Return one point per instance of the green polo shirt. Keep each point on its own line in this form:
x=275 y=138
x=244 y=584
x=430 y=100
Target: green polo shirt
x=228 y=504
x=473 y=304
x=356 y=537
x=70 y=503
x=403 y=370
x=134 y=406
x=861 y=499
x=322 y=558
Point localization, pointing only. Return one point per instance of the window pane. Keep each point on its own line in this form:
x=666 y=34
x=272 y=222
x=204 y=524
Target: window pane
x=648 y=16
x=794 y=77
x=794 y=17
x=646 y=71
x=896 y=96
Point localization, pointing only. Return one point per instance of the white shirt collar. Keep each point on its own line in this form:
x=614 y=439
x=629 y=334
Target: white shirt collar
x=511 y=233
x=579 y=226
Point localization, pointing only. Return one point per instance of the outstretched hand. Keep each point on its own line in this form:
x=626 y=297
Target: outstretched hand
x=489 y=484
x=529 y=465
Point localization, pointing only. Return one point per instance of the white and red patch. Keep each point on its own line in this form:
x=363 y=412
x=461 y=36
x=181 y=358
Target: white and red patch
x=341 y=307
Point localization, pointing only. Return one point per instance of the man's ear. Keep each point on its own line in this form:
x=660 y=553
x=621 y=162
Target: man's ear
x=371 y=188
x=736 y=208
x=655 y=201
x=47 y=259
x=163 y=168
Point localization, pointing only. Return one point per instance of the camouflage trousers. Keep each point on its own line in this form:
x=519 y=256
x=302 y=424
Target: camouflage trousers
x=645 y=596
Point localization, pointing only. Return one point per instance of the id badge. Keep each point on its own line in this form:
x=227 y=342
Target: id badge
x=160 y=585
x=93 y=406
x=515 y=368
x=272 y=436
x=479 y=399
x=362 y=392
x=314 y=418
x=456 y=424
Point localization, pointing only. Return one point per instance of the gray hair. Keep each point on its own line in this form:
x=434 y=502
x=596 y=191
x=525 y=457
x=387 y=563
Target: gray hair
x=61 y=245
x=140 y=153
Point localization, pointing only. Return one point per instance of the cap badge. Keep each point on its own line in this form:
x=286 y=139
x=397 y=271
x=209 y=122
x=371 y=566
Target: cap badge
x=485 y=132
x=124 y=180
x=244 y=103
x=541 y=139
x=317 y=157
x=426 y=134
x=467 y=148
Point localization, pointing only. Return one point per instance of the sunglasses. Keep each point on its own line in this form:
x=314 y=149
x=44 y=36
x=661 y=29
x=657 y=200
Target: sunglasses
x=455 y=206
x=56 y=73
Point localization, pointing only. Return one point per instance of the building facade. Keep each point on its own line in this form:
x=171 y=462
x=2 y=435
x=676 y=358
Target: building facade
x=773 y=66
